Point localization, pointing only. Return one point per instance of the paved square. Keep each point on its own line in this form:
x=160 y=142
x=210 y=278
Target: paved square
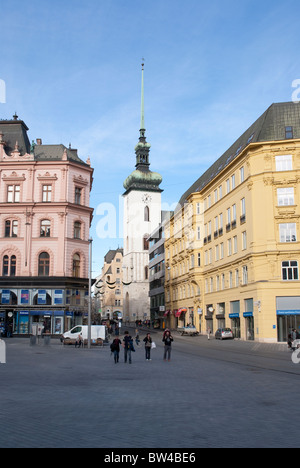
x=217 y=394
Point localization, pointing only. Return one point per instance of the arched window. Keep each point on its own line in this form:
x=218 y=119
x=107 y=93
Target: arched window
x=147 y=213
x=13 y=265
x=9 y=266
x=44 y=264
x=146 y=242
x=76 y=266
x=5 y=269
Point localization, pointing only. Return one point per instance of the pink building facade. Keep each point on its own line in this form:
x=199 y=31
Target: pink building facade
x=45 y=218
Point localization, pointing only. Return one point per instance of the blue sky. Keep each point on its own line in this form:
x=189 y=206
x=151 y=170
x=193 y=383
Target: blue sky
x=72 y=73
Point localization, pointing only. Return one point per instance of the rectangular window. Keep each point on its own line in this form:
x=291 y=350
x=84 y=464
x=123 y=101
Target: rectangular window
x=245 y=275
x=78 y=195
x=289 y=134
x=233 y=182
x=47 y=193
x=227 y=185
x=13 y=194
x=217 y=253
x=244 y=241
x=290 y=271
x=228 y=215
x=235 y=245
x=233 y=212
x=221 y=251
x=229 y=247
x=242 y=175
x=284 y=163
x=11 y=228
x=285 y=196
x=288 y=232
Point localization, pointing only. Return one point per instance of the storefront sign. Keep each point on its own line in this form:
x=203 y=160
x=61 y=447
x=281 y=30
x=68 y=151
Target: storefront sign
x=288 y=312
x=42 y=297
x=58 y=296
x=5 y=296
x=248 y=314
x=24 y=296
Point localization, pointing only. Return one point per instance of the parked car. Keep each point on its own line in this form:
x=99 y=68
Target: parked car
x=224 y=334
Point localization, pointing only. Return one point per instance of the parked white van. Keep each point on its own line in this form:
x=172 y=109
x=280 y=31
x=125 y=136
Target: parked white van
x=98 y=334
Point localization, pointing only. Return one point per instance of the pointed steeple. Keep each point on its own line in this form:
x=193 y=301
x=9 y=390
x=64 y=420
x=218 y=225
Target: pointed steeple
x=142 y=178
x=142 y=149
x=142 y=102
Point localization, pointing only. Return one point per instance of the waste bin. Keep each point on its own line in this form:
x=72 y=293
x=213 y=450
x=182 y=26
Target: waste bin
x=47 y=340
x=32 y=340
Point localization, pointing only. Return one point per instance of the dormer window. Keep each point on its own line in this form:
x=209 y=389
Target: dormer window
x=289 y=134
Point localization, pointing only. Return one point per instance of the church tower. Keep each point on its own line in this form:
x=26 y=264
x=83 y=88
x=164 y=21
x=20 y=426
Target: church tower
x=142 y=215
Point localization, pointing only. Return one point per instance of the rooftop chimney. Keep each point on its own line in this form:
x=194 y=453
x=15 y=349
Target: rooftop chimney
x=39 y=141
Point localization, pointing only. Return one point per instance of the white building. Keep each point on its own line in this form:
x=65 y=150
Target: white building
x=142 y=214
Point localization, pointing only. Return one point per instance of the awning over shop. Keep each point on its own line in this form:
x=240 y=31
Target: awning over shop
x=168 y=312
x=180 y=312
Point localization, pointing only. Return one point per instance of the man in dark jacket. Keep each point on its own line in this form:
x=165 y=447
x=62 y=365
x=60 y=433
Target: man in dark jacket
x=128 y=345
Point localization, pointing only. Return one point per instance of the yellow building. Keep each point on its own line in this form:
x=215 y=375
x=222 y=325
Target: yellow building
x=232 y=247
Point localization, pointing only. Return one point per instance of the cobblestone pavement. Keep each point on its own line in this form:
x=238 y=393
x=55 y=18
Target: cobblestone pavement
x=211 y=394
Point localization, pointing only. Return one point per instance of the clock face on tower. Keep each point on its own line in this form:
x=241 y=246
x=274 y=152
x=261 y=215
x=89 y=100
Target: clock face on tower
x=146 y=198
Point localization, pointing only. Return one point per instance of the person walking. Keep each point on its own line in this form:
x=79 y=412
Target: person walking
x=148 y=346
x=115 y=348
x=168 y=340
x=128 y=347
x=79 y=341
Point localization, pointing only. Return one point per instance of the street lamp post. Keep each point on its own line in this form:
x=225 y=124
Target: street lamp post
x=90 y=294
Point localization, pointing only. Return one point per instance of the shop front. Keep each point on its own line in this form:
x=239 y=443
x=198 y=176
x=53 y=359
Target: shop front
x=51 y=321
x=181 y=317
x=249 y=320
x=235 y=318
x=288 y=316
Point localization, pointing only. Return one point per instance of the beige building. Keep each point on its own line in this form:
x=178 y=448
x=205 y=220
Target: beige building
x=109 y=286
x=232 y=247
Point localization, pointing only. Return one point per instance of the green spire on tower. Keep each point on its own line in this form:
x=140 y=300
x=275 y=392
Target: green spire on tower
x=142 y=178
x=143 y=101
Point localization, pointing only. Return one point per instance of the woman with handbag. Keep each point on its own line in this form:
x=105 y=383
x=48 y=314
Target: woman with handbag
x=148 y=346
